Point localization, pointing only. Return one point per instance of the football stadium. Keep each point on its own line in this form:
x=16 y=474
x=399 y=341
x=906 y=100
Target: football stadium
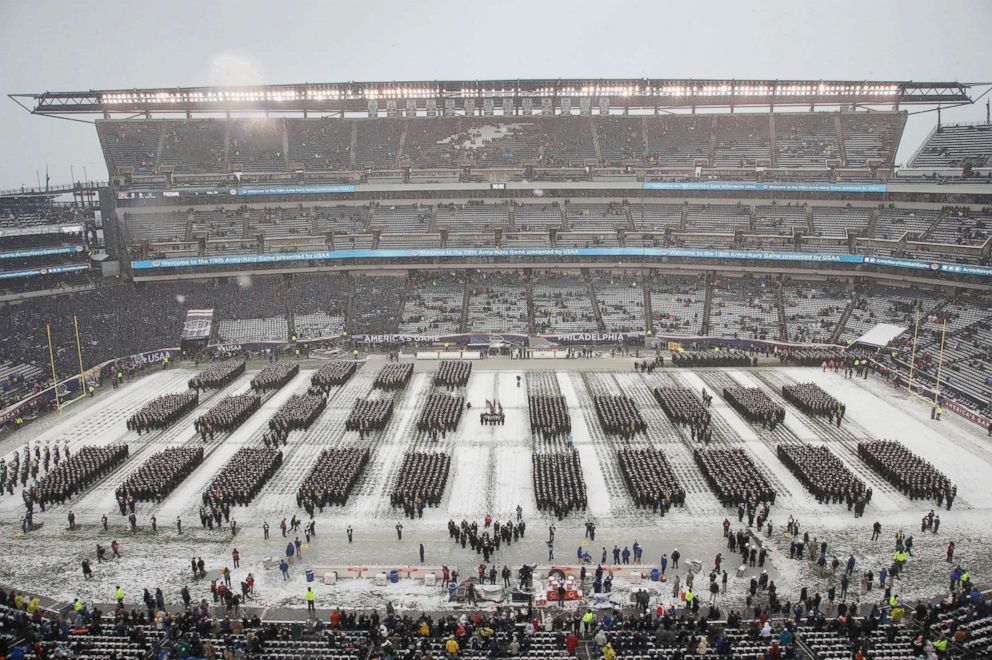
x=543 y=368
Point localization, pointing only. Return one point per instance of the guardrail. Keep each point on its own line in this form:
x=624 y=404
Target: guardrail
x=64 y=188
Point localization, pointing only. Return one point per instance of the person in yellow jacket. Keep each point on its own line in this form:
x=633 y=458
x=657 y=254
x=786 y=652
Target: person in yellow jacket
x=609 y=653
x=587 y=621
x=34 y=605
x=425 y=630
x=688 y=597
x=893 y=600
x=940 y=644
x=78 y=606
x=310 y=600
x=451 y=646
x=119 y=595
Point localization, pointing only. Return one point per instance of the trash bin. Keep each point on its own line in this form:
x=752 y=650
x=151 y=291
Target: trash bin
x=655 y=575
x=394 y=576
x=430 y=580
x=309 y=574
x=741 y=570
x=330 y=577
x=452 y=588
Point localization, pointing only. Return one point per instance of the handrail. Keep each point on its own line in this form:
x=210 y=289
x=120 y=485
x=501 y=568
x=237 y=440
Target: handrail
x=924 y=143
x=64 y=188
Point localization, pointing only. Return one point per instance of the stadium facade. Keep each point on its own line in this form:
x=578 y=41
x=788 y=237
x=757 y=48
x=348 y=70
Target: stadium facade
x=446 y=210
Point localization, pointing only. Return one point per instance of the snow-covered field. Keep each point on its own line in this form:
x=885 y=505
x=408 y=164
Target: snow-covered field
x=491 y=474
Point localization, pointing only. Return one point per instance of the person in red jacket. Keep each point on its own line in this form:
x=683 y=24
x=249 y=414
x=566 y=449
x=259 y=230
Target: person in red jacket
x=572 y=644
x=236 y=556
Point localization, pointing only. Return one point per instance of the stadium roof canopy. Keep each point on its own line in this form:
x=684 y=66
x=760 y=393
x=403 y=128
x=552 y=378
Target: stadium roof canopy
x=633 y=93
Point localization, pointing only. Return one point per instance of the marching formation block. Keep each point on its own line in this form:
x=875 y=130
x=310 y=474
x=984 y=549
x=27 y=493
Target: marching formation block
x=162 y=411
x=453 y=374
x=754 y=405
x=733 y=477
x=74 y=474
x=916 y=478
x=393 y=376
x=161 y=473
x=619 y=415
x=332 y=477
x=243 y=476
x=274 y=376
x=334 y=374
x=558 y=482
x=824 y=475
x=217 y=375
x=422 y=477
x=650 y=479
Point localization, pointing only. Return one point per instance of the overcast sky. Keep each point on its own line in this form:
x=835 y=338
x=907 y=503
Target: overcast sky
x=52 y=45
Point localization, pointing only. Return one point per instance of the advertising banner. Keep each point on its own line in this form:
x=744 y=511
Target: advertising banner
x=48 y=270
x=41 y=252
x=769 y=187
x=628 y=252
x=292 y=190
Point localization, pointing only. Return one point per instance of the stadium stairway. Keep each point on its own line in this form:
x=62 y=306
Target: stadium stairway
x=352 y=157
x=648 y=309
x=433 y=222
x=628 y=217
x=531 y=325
x=772 y=147
x=595 y=140
x=402 y=145
x=159 y=147
x=466 y=299
x=872 y=221
x=708 y=303
x=711 y=154
x=890 y=161
x=842 y=323
x=227 y=146
x=285 y=143
x=783 y=328
x=840 y=139
x=350 y=306
x=933 y=225
x=591 y=292
x=398 y=317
